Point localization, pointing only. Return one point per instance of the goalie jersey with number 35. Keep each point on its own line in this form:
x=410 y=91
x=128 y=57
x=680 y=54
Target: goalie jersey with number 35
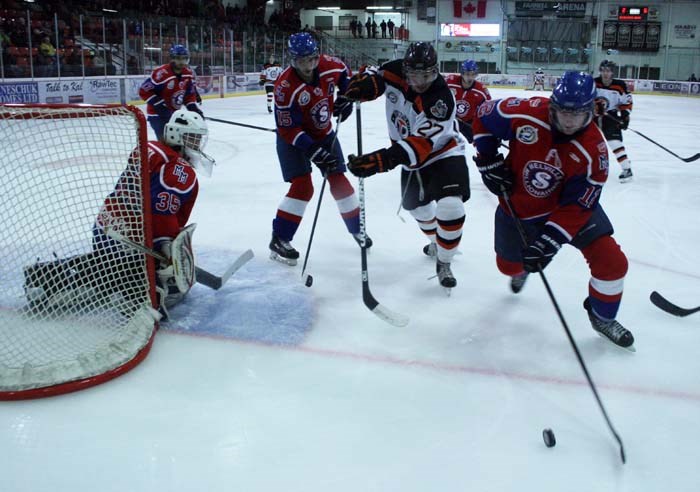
x=424 y=125
x=173 y=192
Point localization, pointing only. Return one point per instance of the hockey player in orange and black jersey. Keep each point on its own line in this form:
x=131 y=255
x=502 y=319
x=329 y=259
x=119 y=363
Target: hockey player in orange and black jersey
x=269 y=74
x=421 y=116
x=469 y=94
x=304 y=107
x=170 y=87
x=554 y=174
x=615 y=101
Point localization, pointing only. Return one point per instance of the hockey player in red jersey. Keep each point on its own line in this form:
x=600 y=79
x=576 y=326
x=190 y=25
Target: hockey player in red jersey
x=173 y=163
x=269 y=74
x=170 y=87
x=614 y=107
x=304 y=106
x=554 y=174
x=421 y=116
x=469 y=94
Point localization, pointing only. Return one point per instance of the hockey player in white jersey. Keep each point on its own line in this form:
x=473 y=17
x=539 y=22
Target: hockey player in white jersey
x=269 y=74
x=538 y=80
x=613 y=108
x=426 y=142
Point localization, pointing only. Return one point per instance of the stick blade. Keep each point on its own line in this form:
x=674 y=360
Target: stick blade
x=391 y=317
x=692 y=159
x=665 y=305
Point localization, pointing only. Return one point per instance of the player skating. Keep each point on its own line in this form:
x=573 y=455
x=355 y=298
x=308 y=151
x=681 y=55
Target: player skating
x=269 y=74
x=469 y=93
x=304 y=106
x=614 y=107
x=553 y=175
x=170 y=87
x=421 y=116
x=538 y=83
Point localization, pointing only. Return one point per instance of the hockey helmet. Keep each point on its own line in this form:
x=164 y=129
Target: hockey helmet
x=420 y=66
x=607 y=64
x=572 y=101
x=188 y=131
x=179 y=56
x=469 y=66
x=303 y=51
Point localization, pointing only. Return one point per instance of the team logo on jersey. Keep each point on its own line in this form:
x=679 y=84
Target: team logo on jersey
x=279 y=93
x=320 y=115
x=180 y=173
x=553 y=155
x=160 y=73
x=462 y=108
x=391 y=96
x=541 y=179
x=182 y=84
x=401 y=123
x=178 y=99
x=318 y=92
x=439 y=109
x=602 y=148
x=304 y=98
x=171 y=84
x=527 y=134
x=603 y=163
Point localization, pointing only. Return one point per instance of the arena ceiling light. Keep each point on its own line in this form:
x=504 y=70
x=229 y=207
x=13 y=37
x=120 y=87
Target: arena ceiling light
x=380 y=8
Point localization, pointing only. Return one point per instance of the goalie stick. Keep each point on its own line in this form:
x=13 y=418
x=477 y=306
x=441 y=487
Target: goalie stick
x=372 y=304
x=203 y=277
x=244 y=125
x=665 y=305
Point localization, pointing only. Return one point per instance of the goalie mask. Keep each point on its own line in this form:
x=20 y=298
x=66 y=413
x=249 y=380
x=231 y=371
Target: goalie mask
x=188 y=131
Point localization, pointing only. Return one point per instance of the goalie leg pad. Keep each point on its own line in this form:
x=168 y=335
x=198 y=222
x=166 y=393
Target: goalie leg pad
x=182 y=256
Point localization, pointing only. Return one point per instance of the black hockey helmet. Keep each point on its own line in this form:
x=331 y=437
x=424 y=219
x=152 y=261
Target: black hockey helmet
x=420 y=66
x=607 y=64
x=420 y=56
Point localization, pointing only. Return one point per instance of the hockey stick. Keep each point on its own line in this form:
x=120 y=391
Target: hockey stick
x=665 y=305
x=202 y=276
x=318 y=208
x=372 y=304
x=523 y=239
x=684 y=159
x=403 y=195
x=241 y=124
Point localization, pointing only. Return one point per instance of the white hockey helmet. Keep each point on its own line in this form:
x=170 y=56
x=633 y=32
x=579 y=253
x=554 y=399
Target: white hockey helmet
x=188 y=130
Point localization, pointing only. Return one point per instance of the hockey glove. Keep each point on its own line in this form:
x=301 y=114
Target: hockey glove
x=466 y=130
x=342 y=107
x=366 y=165
x=262 y=82
x=624 y=119
x=541 y=251
x=365 y=87
x=324 y=160
x=495 y=173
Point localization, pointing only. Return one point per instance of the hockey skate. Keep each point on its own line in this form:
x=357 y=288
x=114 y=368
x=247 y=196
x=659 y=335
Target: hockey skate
x=610 y=329
x=358 y=240
x=269 y=109
x=517 y=282
x=625 y=176
x=282 y=251
x=444 y=275
x=430 y=250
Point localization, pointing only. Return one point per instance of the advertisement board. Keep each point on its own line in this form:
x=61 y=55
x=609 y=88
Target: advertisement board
x=19 y=92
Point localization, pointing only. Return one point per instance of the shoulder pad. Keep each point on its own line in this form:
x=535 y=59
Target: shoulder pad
x=161 y=73
x=285 y=87
x=178 y=176
x=438 y=104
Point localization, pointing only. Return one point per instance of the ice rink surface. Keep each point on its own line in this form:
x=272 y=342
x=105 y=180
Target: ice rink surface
x=236 y=395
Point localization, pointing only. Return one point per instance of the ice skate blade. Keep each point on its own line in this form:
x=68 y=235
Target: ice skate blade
x=281 y=259
x=626 y=349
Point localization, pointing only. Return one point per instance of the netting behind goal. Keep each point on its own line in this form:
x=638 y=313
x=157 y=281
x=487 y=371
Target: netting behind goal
x=76 y=308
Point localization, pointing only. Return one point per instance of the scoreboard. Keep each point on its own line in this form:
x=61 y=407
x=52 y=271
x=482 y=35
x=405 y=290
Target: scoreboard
x=632 y=35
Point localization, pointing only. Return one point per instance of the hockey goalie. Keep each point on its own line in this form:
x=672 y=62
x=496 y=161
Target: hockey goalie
x=112 y=273
x=538 y=80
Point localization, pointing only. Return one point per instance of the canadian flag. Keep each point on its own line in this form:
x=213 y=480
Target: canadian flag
x=457 y=8
x=481 y=8
x=469 y=9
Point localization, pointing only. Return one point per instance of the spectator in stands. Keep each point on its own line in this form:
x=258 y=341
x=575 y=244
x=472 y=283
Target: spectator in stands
x=368 y=26
x=382 y=26
x=374 y=29
x=352 y=28
x=390 y=26
x=132 y=65
x=47 y=52
x=693 y=78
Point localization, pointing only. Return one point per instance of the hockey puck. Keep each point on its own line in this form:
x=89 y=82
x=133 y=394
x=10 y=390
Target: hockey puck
x=549 y=440
x=309 y=281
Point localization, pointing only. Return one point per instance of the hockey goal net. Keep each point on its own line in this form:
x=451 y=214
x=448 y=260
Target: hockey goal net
x=76 y=308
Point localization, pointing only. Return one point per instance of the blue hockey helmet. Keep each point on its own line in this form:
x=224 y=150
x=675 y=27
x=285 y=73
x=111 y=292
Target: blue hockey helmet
x=468 y=66
x=302 y=44
x=179 y=50
x=572 y=101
